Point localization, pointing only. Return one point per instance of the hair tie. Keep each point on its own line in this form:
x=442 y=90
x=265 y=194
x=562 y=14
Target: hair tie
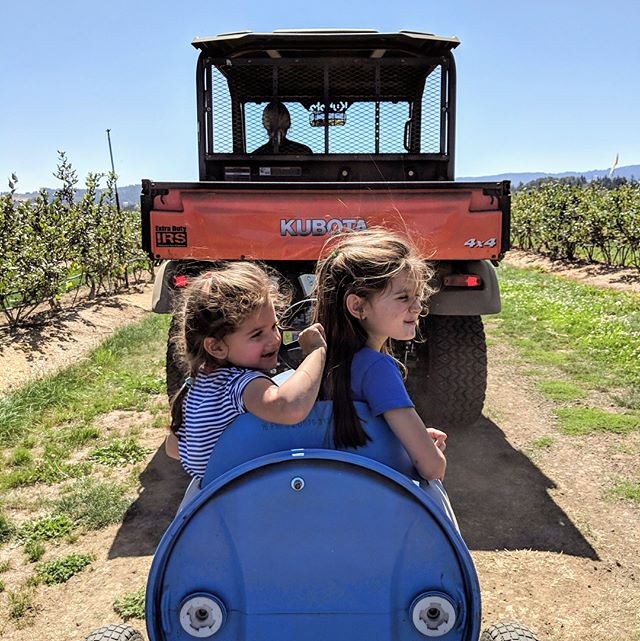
x=188 y=382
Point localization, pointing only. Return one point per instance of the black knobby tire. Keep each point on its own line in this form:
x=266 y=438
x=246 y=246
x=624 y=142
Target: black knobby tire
x=116 y=632
x=507 y=632
x=451 y=368
x=174 y=371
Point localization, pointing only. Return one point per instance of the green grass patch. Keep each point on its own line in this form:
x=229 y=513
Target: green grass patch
x=94 y=504
x=46 y=528
x=161 y=420
x=131 y=604
x=61 y=570
x=50 y=470
x=561 y=391
x=21 y=603
x=34 y=550
x=534 y=354
x=588 y=420
x=20 y=457
x=628 y=398
x=626 y=491
x=28 y=442
x=113 y=376
x=7 y=528
x=591 y=335
x=76 y=436
x=5 y=566
x=543 y=443
x=119 y=452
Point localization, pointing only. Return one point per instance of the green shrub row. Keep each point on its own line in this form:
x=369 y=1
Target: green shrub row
x=579 y=221
x=51 y=245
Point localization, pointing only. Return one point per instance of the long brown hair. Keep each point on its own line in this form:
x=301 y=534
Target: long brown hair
x=361 y=263
x=215 y=304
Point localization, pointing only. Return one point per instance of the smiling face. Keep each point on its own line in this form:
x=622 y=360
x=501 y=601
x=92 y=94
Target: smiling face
x=253 y=345
x=392 y=313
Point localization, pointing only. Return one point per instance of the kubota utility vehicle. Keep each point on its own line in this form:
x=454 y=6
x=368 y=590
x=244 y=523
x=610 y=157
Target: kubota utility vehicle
x=373 y=123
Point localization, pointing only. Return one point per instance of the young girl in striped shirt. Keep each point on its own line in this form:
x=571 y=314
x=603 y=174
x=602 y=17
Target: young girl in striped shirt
x=229 y=341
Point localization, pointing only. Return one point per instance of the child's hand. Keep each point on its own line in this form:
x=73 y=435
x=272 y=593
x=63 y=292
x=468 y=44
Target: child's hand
x=312 y=338
x=438 y=437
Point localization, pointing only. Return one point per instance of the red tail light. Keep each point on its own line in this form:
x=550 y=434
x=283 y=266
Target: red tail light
x=462 y=280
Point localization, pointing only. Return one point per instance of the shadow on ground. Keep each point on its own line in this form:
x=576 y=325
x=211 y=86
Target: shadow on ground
x=37 y=332
x=500 y=497
x=163 y=483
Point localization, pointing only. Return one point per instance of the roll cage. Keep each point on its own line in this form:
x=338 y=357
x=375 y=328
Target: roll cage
x=370 y=105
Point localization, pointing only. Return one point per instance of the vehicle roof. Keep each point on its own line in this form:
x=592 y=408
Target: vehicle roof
x=362 y=43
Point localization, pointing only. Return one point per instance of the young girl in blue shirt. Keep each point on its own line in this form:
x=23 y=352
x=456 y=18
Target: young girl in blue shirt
x=372 y=287
x=229 y=341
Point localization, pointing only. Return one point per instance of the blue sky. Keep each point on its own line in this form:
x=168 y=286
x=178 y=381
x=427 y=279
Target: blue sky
x=542 y=86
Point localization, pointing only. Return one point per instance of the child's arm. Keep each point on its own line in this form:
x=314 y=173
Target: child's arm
x=423 y=446
x=171 y=446
x=291 y=402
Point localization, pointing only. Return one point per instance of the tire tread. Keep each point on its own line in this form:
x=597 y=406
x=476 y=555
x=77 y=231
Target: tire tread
x=453 y=367
x=508 y=631
x=115 y=632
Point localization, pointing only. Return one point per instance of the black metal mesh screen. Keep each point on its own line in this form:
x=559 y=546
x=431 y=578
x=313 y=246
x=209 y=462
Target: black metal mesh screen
x=334 y=108
x=432 y=127
x=220 y=114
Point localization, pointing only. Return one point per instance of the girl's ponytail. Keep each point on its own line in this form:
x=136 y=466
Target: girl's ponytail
x=348 y=431
x=177 y=412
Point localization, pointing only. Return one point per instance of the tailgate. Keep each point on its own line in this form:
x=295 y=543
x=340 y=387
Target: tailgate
x=281 y=221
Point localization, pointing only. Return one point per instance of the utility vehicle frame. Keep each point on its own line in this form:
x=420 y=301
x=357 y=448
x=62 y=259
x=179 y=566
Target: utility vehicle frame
x=288 y=538
x=378 y=111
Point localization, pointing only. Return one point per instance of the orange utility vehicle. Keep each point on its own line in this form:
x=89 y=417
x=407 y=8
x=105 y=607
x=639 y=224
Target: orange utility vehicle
x=366 y=139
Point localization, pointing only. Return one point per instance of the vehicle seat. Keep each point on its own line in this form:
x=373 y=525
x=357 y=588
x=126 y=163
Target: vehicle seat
x=249 y=437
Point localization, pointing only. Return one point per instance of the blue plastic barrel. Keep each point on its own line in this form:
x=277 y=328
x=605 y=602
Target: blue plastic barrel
x=311 y=544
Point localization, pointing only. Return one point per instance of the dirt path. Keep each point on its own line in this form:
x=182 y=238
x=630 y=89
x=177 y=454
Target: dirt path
x=55 y=342
x=620 y=278
x=551 y=550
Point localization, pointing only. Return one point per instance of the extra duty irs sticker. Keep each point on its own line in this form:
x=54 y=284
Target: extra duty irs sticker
x=171 y=236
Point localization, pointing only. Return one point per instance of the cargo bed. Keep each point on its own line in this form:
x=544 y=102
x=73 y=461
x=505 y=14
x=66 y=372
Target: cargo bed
x=285 y=221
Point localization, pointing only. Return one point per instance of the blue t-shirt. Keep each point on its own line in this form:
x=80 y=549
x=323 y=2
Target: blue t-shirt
x=377 y=380
x=210 y=406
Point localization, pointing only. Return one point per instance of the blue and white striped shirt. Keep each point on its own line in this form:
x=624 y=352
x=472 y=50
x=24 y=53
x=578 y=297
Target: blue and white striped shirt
x=210 y=406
